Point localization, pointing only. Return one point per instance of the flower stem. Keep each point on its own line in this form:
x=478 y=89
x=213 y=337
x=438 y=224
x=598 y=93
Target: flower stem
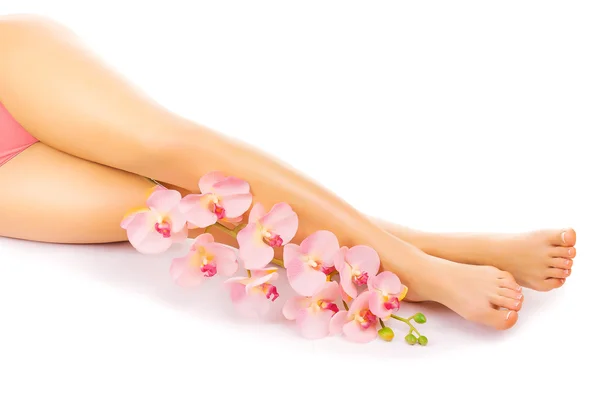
x=381 y=322
x=345 y=305
x=406 y=321
x=225 y=229
x=249 y=273
x=278 y=262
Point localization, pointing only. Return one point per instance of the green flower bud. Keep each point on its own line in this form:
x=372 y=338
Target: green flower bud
x=386 y=334
x=410 y=339
x=423 y=340
x=420 y=318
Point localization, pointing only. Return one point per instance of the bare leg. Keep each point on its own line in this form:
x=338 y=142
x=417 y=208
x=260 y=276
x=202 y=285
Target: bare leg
x=55 y=197
x=540 y=260
x=95 y=115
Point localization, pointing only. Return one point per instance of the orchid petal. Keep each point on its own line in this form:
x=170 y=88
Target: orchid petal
x=257 y=212
x=236 y=205
x=225 y=258
x=254 y=253
x=195 y=208
x=207 y=182
x=364 y=258
x=360 y=303
x=330 y=292
x=143 y=236
x=184 y=273
x=202 y=240
x=355 y=333
x=294 y=305
x=322 y=245
x=314 y=324
x=337 y=322
x=387 y=282
x=376 y=305
x=230 y=186
x=163 y=201
x=282 y=220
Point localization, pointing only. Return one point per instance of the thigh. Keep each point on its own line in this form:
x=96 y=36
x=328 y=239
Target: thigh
x=50 y=196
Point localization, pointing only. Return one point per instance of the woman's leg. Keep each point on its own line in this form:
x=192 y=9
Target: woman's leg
x=540 y=260
x=70 y=101
x=50 y=196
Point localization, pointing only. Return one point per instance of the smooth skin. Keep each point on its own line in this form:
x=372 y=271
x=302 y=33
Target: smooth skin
x=99 y=136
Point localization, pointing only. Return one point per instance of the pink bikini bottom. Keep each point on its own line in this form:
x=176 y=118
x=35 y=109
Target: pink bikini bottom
x=13 y=137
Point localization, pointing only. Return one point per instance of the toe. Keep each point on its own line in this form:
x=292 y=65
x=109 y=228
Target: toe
x=568 y=237
x=511 y=294
x=564 y=252
x=558 y=273
x=563 y=263
x=563 y=237
x=508 y=281
x=548 y=284
x=506 y=302
x=500 y=319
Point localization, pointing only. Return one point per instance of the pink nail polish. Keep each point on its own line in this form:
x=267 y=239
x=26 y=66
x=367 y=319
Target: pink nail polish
x=571 y=252
x=567 y=262
x=508 y=315
x=520 y=296
x=562 y=236
x=517 y=304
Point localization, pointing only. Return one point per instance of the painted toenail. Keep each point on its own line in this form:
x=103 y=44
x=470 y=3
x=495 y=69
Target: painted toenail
x=562 y=236
x=517 y=304
x=571 y=252
x=567 y=262
x=519 y=297
x=508 y=315
x=518 y=288
x=567 y=272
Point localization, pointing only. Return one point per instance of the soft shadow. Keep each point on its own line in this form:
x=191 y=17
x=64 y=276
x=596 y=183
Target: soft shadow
x=119 y=265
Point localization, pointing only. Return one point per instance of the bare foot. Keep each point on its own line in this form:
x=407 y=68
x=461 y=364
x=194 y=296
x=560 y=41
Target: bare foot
x=478 y=293
x=539 y=260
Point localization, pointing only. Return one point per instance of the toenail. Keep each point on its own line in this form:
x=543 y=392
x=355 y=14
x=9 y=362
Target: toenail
x=518 y=288
x=567 y=272
x=567 y=262
x=562 y=236
x=508 y=315
x=517 y=304
x=519 y=297
x=571 y=252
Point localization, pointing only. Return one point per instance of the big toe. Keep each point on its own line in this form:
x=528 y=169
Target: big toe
x=500 y=319
x=566 y=237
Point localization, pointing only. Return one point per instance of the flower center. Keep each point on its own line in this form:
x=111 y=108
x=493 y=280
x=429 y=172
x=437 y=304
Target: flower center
x=326 y=305
x=318 y=265
x=359 y=277
x=272 y=239
x=365 y=319
x=391 y=303
x=270 y=291
x=163 y=227
x=218 y=210
x=205 y=262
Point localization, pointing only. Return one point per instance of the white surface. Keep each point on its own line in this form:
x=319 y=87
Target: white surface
x=454 y=116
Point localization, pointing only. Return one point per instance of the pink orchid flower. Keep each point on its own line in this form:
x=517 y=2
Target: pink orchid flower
x=313 y=314
x=309 y=264
x=222 y=198
x=356 y=266
x=386 y=294
x=205 y=259
x=253 y=296
x=358 y=324
x=154 y=229
x=264 y=232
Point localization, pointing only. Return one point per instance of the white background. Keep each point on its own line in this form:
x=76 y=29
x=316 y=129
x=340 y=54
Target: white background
x=441 y=115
